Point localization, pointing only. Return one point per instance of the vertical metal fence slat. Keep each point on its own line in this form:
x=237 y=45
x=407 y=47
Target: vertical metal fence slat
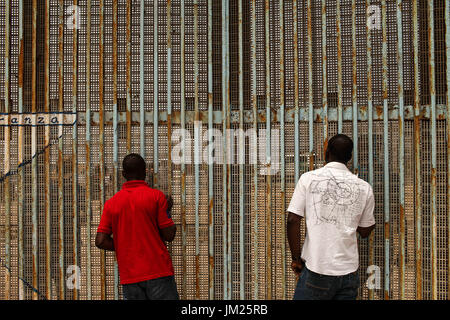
x=339 y=66
x=401 y=151
x=268 y=154
x=47 y=200
x=142 y=78
x=447 y=50
x=102 y=136
x=60 y=153
x=183 y=161
x=128 y=76
x=115 y=53
x=20 y=186
x=226 y=166
x=324 y=76
x=354 y=91
x=211 y=254
x=169 y=102
x=386 y=152
x=255 y=165
x=155 y=95
x=197 y=154
x=417 y=154
x=282 y=153
x=7 y=149
x=432 y=84
x=371 y=247
x=241 y=155
x=310 y=86
x=296 y=93
x=34 y=195
x=88 y=152
x=75 y=149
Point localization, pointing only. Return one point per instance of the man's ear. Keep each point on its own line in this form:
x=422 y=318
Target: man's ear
x=124 y=175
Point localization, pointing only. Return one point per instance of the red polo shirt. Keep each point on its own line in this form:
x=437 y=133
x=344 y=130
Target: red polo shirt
x=134 y=216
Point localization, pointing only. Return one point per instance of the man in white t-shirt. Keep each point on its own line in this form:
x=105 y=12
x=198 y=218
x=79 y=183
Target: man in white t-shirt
x=336 y=205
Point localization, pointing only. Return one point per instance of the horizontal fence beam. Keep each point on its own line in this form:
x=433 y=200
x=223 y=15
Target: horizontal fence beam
x=425 y=114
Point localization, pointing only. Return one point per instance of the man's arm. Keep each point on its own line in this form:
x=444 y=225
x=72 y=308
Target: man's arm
x=104 y=241
x=293 y=233
x=168 y=234
x=365 y=232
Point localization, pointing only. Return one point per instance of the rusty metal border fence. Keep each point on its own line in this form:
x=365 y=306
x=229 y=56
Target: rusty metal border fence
x=85 y=82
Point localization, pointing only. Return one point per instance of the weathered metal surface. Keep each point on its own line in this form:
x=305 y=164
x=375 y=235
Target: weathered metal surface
x=101 y=110
x=401 y=153
x=61 y=245
x=386 y=220
x=88 y=152
x=7 y=150
x=246 y=249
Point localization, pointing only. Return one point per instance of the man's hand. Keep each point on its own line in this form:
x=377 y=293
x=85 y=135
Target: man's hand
x=297 y=267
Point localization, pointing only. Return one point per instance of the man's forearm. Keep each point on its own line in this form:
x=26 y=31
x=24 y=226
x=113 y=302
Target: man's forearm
x=293 y=233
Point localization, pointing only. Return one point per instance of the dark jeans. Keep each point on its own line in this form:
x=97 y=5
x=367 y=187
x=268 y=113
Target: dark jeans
x=314 y=286
x=163 y=288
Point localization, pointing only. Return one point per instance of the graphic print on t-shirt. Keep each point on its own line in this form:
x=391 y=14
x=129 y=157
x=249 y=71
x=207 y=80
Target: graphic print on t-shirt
x=335 y=199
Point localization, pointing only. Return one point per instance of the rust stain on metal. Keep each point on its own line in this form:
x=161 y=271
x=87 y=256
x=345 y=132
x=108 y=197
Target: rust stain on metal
x=379 y=111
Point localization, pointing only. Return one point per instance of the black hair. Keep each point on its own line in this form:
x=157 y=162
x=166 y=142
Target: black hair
x=134 y=167
x=340 y=148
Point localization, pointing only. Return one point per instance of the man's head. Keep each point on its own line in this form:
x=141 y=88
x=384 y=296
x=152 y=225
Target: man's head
x=340 y=148
x=133 y=167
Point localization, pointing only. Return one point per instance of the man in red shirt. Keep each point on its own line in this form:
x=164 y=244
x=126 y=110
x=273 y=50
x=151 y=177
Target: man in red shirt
x=139 y=219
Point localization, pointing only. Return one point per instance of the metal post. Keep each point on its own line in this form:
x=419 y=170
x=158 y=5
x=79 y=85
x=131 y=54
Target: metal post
x=354 y=91
x=241 y=157
x=75 y=150
x=226 y=125
x=169 y=99
x=47 y=202
x=128 y=76
x=447 y=47
x=183 y=162
x=324 y=76
x=417 y=159
x=7 y=133
x=34 y=195
x=102 y=134
x=142 y=79
x=197 y=155
x=432 y=84
x=60 y=154
x=20 y=185
x=401 y=154
x=255 y=165
x=386 y=153
x=155 y=94
x=296 y=94
x=211 y=257
x=88 y=152
x=370 y=133
x=310 y=87
x=115 y=123
x=339 y=65
x=268 y=155
x=282 y=154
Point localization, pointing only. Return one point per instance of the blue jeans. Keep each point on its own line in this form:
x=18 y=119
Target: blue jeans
x=163 y=288
x=314 y=286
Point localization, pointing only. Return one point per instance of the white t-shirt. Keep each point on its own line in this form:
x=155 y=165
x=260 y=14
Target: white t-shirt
x=335 y=202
